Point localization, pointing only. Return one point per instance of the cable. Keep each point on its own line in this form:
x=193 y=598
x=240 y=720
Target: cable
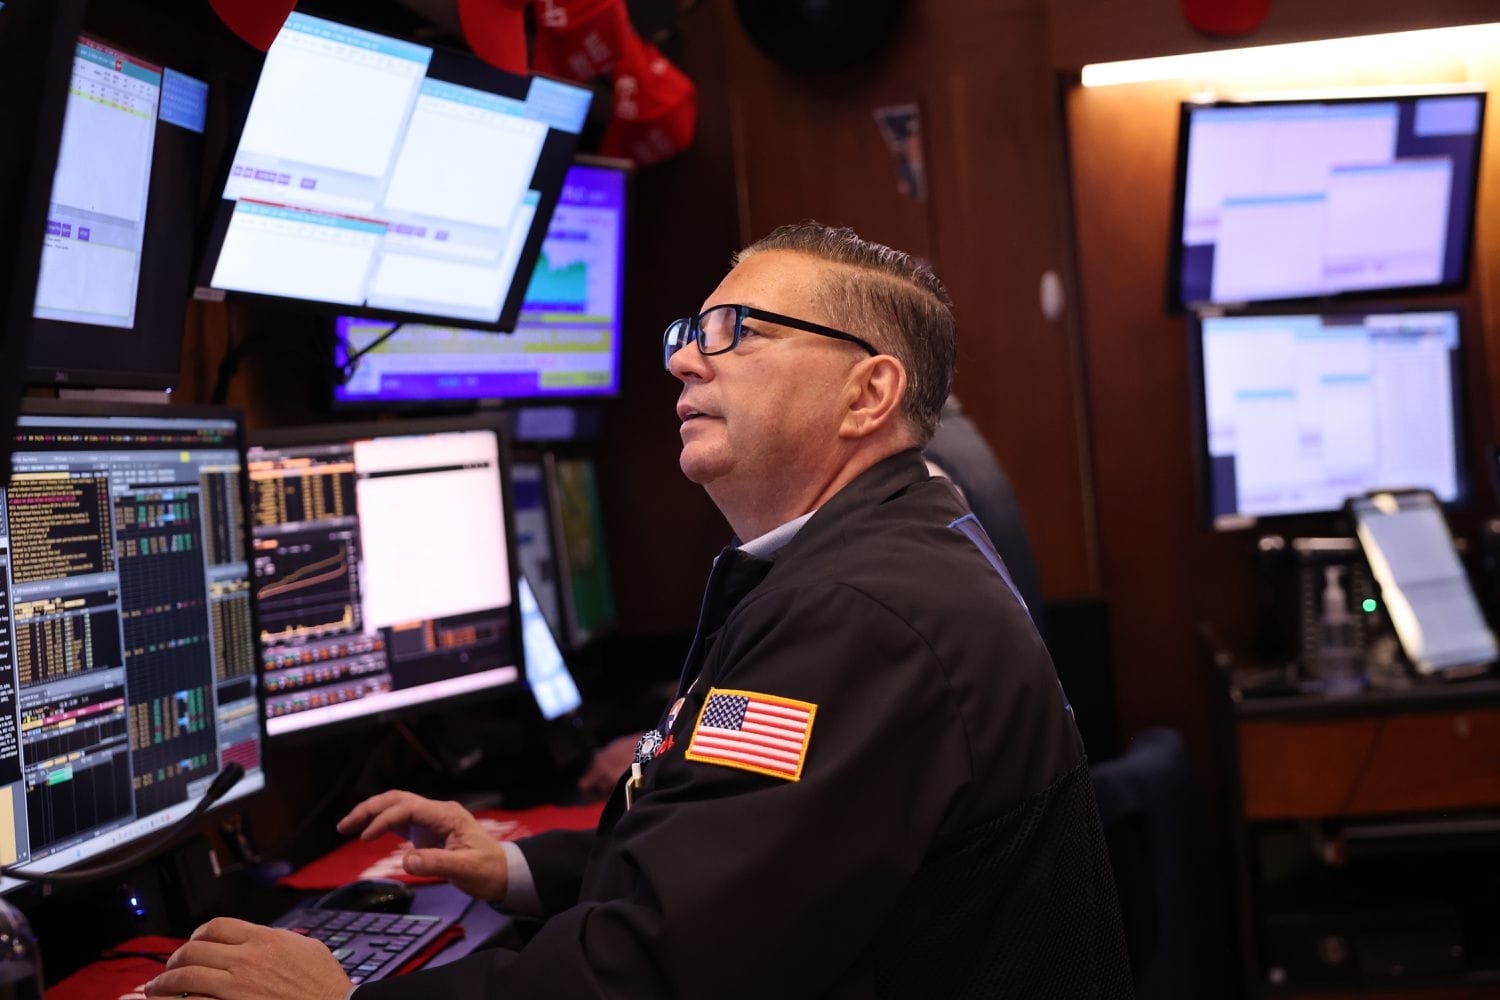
x=352 y=357
x=223 y=782
x=236 y=351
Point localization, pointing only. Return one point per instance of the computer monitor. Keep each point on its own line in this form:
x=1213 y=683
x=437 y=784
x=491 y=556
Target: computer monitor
x=1299 y=412
x=1295 y=199
x=384 y=580
x=36 y=46
x=588 y=601
x=127 y=643
x=536 y=546
x=566 y=344
x=378 y=176
x=116 y=269
x=547 y=672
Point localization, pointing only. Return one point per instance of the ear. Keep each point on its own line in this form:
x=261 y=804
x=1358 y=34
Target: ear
x=873 y=391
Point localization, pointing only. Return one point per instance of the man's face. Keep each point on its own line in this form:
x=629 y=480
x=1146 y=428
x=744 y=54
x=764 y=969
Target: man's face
x=767 y=413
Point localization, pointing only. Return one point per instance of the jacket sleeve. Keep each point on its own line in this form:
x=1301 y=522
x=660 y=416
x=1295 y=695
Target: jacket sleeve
x=726 y=883
x=557 y=859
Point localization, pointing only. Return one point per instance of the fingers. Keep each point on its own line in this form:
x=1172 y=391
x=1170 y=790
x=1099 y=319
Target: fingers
x=195 y=980
x=367 y=810
x=398 y=814
x=227 y=930
x=208 y=954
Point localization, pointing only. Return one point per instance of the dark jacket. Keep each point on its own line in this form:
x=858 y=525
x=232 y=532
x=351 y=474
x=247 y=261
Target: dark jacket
x=941 y=839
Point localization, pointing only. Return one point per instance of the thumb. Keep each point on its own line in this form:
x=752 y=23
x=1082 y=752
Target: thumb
x=437 y=862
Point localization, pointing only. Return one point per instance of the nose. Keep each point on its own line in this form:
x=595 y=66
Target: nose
x=690 y=363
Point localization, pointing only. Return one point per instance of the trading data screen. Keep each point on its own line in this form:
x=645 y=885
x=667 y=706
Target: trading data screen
x=1302 y=412
x=368 y=174
x=1305 y=198
x=127 y=656
x=567 y=342
x=382 y=574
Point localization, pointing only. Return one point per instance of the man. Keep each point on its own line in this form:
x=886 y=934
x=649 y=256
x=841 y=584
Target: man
x=870 y=784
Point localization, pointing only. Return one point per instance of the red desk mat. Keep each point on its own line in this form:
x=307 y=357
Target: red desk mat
x=381 y=858
x=121 y=977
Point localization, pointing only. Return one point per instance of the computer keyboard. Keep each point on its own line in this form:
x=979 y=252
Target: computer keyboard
x=368 y=945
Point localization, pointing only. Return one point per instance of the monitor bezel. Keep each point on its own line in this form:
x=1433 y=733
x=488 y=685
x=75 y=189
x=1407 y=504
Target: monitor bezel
x=460 y=404
x=531 y=455
x=158 y=366
x=48 y=31
x=1177 y=305
x=456 y=66
x=48 y=406
x=311 y=434
x=1321 y=521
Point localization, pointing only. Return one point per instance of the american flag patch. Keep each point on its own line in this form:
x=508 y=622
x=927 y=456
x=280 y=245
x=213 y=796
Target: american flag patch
x=753 y=732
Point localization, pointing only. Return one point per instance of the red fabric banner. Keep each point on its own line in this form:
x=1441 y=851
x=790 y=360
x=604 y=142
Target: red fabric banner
x=256 y=21
x=496 y=31
x=580 y=39
x=1225 y=17
x=656 y=108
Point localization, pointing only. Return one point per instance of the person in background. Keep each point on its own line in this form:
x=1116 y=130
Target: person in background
x=869 y=783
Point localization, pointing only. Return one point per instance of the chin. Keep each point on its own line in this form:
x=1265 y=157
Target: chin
x=700 y=469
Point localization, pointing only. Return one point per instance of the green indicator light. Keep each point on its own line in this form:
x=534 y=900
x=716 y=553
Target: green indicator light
x=1369 y=605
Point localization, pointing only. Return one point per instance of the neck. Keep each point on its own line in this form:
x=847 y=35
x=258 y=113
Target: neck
x=758 y=509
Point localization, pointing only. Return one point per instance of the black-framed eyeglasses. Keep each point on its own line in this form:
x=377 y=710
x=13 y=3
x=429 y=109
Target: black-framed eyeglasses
x=719 y=329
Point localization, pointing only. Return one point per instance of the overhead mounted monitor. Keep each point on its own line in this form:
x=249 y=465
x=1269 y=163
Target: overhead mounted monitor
x=1300 y=412
x=128 y=672
x=116 y=270
x=566 y=344
x=383 y=568
x=381 y=177
x=1300 y=199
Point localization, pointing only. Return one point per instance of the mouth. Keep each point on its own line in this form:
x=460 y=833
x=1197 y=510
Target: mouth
x=688 y=414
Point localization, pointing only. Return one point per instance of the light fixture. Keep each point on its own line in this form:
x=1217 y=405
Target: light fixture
x=1298 y=57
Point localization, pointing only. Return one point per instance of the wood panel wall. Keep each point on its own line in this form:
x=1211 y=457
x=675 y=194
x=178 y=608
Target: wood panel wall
x=993 y=223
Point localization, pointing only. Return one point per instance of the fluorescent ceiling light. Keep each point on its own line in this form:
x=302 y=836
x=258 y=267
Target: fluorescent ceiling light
x=1299 y=57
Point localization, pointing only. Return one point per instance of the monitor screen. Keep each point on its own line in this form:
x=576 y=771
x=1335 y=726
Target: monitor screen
x=535 y=548
x=1305 y=199
x=382 y=568
x=116 y=267
x=588 y=601
x=390 y=178
x=546 y=671
x=127 y=653
x=1301 y=412
x=567 y=342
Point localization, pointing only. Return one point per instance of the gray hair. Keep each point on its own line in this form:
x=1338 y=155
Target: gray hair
x=891 y=299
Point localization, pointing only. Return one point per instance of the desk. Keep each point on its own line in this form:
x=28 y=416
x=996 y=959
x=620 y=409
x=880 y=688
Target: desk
x=1366 y=838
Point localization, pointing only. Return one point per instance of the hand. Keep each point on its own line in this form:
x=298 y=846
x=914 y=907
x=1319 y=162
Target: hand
x=234 y=960
x=449 y=842
x=609 y=763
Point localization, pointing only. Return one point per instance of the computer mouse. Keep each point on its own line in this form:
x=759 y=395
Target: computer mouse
x=371 y=895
